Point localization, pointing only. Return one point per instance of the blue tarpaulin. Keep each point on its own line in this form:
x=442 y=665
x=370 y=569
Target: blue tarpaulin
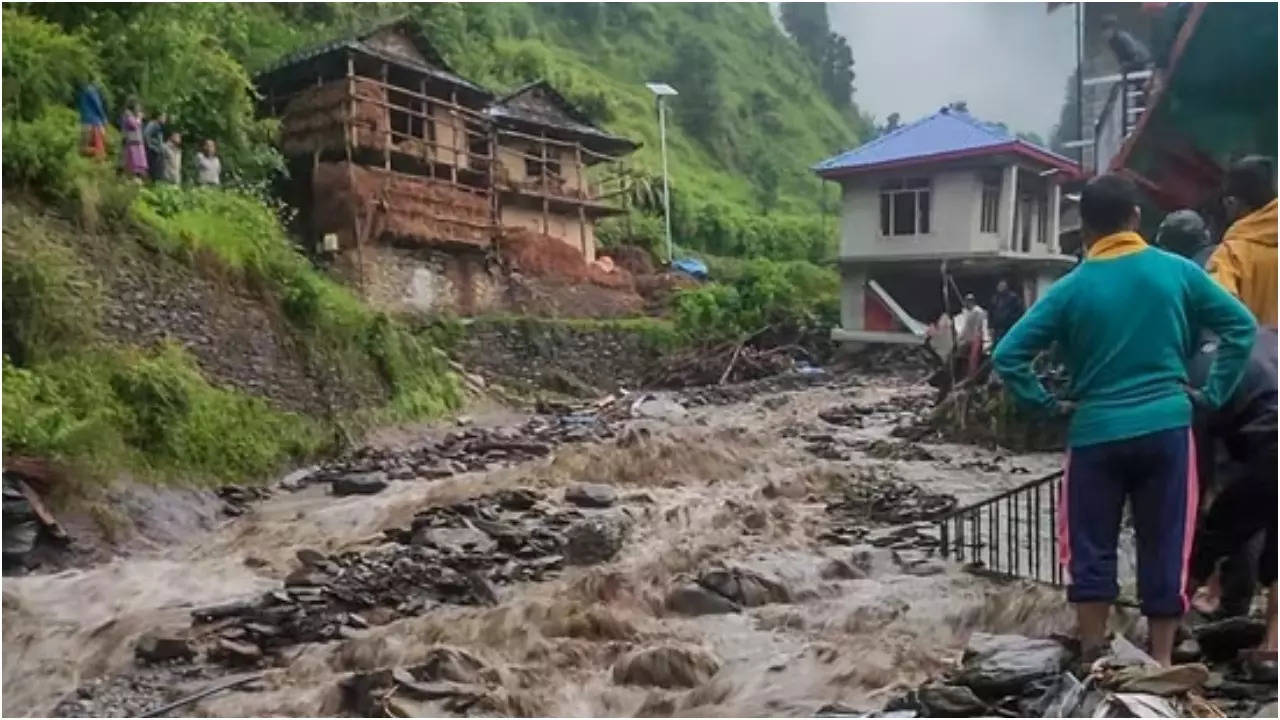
x=691 y=266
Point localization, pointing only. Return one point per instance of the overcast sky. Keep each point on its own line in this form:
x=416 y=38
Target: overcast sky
x=1010 y=61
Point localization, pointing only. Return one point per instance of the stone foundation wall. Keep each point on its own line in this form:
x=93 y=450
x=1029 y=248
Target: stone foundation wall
x=583 y=360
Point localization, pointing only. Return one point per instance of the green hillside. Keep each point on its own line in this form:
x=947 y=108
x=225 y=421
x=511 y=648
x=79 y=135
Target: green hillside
x=751 y=118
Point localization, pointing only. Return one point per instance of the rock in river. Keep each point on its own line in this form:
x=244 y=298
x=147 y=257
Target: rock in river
x=594 y=540
x=160 y=647
x=996 y=665
x=693 y=599
x=592 y=496
x=666 y=666
x=360 y=484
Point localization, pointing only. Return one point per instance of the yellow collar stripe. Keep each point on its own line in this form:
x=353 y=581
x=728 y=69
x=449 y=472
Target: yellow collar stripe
x=1116 y=245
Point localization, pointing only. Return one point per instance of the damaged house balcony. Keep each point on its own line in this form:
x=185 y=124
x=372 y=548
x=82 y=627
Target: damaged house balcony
x=411 y=180
x=942 y=207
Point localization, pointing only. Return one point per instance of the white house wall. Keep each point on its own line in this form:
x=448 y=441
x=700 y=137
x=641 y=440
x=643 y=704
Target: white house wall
x=955 y=205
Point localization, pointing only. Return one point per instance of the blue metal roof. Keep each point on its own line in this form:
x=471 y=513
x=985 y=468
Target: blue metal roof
x=948 y=132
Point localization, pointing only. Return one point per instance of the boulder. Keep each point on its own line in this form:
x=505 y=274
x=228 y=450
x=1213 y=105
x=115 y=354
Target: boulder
x=661 y=409
x=666 y=666
x=996 y=665
x=360 y=484
x=463 y=538
x=594 y=540
x=837 y=569
x=745 y=587
x=591 y=496
x=951 y=701
x=157 y=646
x=1224 y=639
x=233 y=652
x=692 y=599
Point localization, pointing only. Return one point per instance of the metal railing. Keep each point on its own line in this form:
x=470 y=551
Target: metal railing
x=1011 y=535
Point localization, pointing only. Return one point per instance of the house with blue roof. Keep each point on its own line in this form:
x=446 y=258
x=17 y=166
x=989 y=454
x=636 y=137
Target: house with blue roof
x=947 y=202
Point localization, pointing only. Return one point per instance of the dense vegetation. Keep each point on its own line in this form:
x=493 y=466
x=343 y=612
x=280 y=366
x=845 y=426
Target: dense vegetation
x=756 y=108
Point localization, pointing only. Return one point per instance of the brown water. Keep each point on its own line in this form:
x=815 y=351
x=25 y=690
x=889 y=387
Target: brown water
x=855 y=642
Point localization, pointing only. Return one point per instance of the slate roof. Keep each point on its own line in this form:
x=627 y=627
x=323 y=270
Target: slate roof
x=945 y=135
x=437 y=66
x=539 y=104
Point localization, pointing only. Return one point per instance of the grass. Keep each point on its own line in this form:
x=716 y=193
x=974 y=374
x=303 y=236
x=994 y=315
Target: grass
x=71 y=396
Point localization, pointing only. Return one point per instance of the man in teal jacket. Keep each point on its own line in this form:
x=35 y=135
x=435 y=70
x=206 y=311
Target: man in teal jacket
x=1126 y=321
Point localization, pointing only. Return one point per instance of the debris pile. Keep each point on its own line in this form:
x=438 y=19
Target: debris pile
x=869 y=496
x=368 y=469
x=726 y=363
x=456 y=554
x=1015 y=676
x=238 y=498
x=744 y=392
x=449 y=681
x=30 y=530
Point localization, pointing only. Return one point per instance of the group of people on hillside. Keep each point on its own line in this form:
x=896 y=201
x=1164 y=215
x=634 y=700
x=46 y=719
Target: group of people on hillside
x=1172 y=354
x=149 y=148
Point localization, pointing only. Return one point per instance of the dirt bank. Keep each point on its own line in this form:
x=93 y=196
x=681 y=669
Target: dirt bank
x=724 y=509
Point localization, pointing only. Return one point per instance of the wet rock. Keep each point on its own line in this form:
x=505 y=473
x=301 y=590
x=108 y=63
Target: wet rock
x=1187 y=651
x=311 y=558
x=594 y=540
x=360 y=484
x=693 y=599
x=755 y=520
x=305 y=576
x=157 y=646
x=775 y=401
x=1224 y=639
x=455 y=537
x=661 y=409
x=519 y=499
x=591 y=496
x=995 y=665
x=234 y=652
x=666 y=666
x=836 y=569
x=745 y=587
x=951 y=701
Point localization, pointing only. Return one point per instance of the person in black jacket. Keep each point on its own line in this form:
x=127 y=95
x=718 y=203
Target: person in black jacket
x=1006 y=309
x=1131 y=54
x=1184 y=233
x=1245 y=427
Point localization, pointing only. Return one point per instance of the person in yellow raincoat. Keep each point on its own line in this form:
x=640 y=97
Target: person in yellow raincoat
x=1245 y=262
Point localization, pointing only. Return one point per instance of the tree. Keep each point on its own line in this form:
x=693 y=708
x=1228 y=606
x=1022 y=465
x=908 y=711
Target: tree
x=767 y=178
x=891 y=123
x=1033 y=138
x=836 y=72
x=700 y=104
x=1066 y=130
x=807 y=24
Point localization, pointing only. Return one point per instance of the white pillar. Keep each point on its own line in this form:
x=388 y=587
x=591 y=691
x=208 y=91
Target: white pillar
x=1055 y=217
x=853 y=297
x=1008 y=200
x=666 y=189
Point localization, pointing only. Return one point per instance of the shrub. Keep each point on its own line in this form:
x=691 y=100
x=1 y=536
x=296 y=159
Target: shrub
x=50 y=306
x=152 y=412
x=755 y=295
x=42 y=66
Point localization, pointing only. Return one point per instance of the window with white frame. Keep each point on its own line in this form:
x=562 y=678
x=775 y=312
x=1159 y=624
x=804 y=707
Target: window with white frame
x=990 y=220
x=904 y=207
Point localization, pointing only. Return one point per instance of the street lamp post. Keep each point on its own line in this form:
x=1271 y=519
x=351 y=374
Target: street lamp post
x=663 y=90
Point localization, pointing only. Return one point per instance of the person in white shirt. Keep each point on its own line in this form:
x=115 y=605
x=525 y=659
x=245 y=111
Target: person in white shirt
x=973 y=333
x=208 y=165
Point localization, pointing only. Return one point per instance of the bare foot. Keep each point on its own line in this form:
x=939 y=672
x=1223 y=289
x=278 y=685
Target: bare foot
x=1208 y=597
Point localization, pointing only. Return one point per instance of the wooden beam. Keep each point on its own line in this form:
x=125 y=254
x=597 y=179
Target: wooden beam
x=386 y=148
x=545 y=219
x=453 y=123
x=349 y=133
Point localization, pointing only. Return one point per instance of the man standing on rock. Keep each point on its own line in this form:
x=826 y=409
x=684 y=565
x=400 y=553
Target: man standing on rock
x=1125 y=323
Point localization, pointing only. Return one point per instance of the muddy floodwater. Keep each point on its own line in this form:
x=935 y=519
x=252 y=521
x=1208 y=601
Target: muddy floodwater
x=808 y=613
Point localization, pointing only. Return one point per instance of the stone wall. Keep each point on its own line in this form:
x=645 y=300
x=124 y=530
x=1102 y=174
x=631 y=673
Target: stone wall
x=425 y=280
x=583 y=359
